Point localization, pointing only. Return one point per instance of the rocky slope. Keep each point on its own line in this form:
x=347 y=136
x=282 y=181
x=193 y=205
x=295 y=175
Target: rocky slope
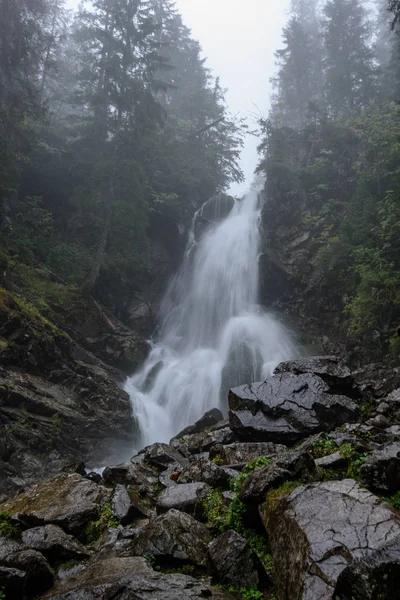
x=295 y=497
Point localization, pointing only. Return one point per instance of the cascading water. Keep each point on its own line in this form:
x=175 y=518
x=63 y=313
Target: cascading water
x=213 y=334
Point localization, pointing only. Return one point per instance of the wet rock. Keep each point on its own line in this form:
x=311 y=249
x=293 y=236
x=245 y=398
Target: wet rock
x=39 y=576
x=137 y=476
x=121 y=505
x=376 y=380
x=212 y=417
x=186 y=497
x=203 y=442
x=379 y=421
x=174 y=536
x=92 y=582
x=318 y=531
x=206 y=471
x=292 y=465
x=375 y=578
x=240 y=453
x=329 y=368
x=168 y=587
x=12 y=582
x=162 y=455
x=332 y=461
x=54 y=544
x=235 y=563
x=381 y=470
x=287 y=408
x=67 y=500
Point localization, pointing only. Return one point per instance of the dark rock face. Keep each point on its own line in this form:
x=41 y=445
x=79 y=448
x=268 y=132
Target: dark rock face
x=211 y=417
x=235 y=562
x=236 y=454
x=162 y=455
x=39 y=576
x=206 y=471
x=317 y=532
x=12 y=582
x=185 y=497
x=121 y=505
x=287 y=408
x=292 y=465
x=54 y=544
x=175 y=536
x=329 y=368
x=381 y=470
x=68 y=500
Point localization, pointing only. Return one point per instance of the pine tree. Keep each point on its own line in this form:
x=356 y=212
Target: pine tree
x=350 y=77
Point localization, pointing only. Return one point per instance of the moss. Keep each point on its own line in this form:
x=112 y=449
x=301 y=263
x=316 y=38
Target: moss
x=7 y=529
x=273 y=496
x=95 y=529
x=323 y=447
x=394 y=500
x=218 y=460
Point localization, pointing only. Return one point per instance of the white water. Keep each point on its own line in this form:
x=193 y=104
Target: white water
x=213 y=334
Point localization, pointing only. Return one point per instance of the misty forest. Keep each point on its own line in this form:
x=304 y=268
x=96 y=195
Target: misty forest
x=199 y=389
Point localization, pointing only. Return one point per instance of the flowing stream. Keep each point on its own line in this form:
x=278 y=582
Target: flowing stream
x=213 y=334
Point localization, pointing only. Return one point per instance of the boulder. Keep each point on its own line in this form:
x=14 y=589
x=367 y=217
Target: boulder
x=162 y=455
x=234 y=562
x=174 y=536
x=241 y=453
x=204 y=470
x=376 y=380
x=211 y=417
x=203 y=442
x=186 y=497
x=319 y=531
x=375 y=578
x=329 y=368
x=68 y=500
x=54 y=544
x=381 y=470
x=331 y=461
x=287 y=408
x=121 y=505
x=292 y=465
x=12 y=582
x=136 y=475
x=39 y=576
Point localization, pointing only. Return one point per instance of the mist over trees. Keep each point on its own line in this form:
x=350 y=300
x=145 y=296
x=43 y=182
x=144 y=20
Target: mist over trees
x=331 y=153
x=108 y=116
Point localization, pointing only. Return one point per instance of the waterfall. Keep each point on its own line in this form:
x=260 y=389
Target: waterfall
x=213 y=334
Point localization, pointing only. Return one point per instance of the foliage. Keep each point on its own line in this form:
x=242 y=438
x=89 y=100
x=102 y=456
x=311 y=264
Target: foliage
x=218 y=460
x=7 y=529
x=323 y=447
x=394 y=500
x=354 y=459
x=247 y=593
x=95 y=529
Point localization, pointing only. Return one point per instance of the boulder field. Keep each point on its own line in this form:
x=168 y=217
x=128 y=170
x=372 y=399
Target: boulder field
x=295 y=496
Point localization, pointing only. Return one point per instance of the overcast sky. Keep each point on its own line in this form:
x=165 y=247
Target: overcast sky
x=239 y=38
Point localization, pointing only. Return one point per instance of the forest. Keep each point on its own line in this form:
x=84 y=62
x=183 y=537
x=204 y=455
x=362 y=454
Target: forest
x=111 y=123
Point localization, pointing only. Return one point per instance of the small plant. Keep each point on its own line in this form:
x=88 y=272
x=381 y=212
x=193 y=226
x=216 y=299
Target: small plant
x=96 y=528
x=2 y=595
x=7 y=529
x=322 y=448
x=354 y=459
x=394 y=500
x=247 y=593
x=218 y=460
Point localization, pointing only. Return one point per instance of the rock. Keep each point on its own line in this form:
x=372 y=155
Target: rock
x=376 y=380
x=39 y=576
x=376 y=578
x=235 y=563
x=318 y=531
x=203 y=442
x=379 y=421
x=68 y=500
x=174 y=536
x=136 y=475
x=240 y=453
x=92 y=582
x=54 y=544
x=383 y=408
x=121 y=505
x=292 y=465
x=155 y=586
x=381 y=470
x=332 y=461
x=186 y=497
x=206 y=471
x=162 y=455
x=212 y=417
x=329 y=368
x=287 y=408
x=12 y=582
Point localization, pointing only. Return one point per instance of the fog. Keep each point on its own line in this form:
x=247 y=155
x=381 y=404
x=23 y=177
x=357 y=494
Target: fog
x=239 y=40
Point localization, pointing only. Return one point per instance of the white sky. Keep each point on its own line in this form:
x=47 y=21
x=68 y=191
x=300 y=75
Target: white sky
x=239 y=38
